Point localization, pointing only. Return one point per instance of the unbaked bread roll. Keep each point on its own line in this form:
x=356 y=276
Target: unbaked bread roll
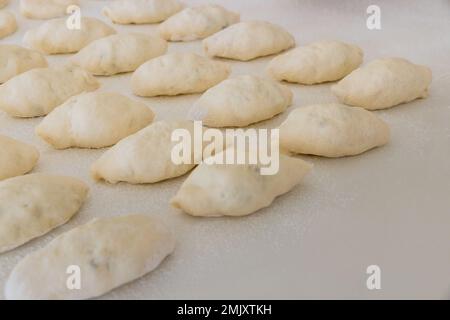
x=384 y=83
x=316 y=63
x=145 y=157
x=3 y=3
x=332 y=130
x=38 y=91
x=119 y=53
x=8 y=23
x=141 y=11
x=107 y=253
x=94 y=120
x=53 y=36
x=15 y=60
x=16 y=157
x=248 y=40
x=177 y=73
x=240 y=101
x=197 y=23
x=45 y=9
x=34 y=204
x=213 y=190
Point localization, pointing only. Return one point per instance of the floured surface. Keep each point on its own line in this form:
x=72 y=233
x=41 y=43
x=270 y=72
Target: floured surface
x=389 y=206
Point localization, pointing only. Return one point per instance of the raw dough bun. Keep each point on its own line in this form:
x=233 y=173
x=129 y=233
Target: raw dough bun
x=144 y=157
x=45 y=9
x=109 y=252
x=53 y=36
x=332 y=130
x=32 y=205
x=384 y=83
x=240 y=101
x=94 y=120
x=119 y=53
x=16 y=158
x=214 y=190
x=177 y=73
x=15 y=60
x=197 y=23
x=8 y=23
x=3 y=3
x=141 y=11
x=248 y=40
x=316 y=63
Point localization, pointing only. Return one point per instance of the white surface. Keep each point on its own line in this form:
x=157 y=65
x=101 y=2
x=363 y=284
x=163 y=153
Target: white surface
x=389 y=206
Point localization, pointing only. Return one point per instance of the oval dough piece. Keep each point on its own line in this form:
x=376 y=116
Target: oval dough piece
x=15 y=60
x=94 y=120
x=53 y=36
x=248 y=40
x=119 y=53
x=197 y=23
x=316 y=63
x=177 y=73
x=37 y=92
x=144 y=157
x=332 y=130
x=8 y=23
x=108 y=251
x=240 y=101
x=214 y=190
x=34 y=204
x=45 y=9
x=384 y=83
x=16 y=157
x=141 y=11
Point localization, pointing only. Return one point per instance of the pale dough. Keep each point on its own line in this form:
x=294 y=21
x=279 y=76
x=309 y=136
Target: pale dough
x=141 y=11
x=107 y=253
x=316 y=63
x=34 y=204
x=94 y=120
x=119 y=53
x=332 y=130
x=144 y=157
x=45 y=9
x=8 y=23
x=38 y=91
x=248 y=40
x=16 y=157
x=197 y=23
x=177 y=73
x=15 y=60
x=54 y=37
x=3 y=3
x=384 y=83
x=240 y=101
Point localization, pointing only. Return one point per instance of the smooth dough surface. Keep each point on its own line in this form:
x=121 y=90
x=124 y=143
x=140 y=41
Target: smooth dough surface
x=38 y=91
x=119 y=53
x=34 y=204
x=16 y=157
x=45 y=9
x=248 y=40
x=332 y=130
x=15 y=60
x=141 y=11
x=177 y=73
x=94 y=120
x=197 y=23
x=8 y=23
x=53 y=36
x=213 y=190
x=144 y=157
x=384 y=83
x=316 y=63
x=240 y=101
x=109 y=252
x=3 y=3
